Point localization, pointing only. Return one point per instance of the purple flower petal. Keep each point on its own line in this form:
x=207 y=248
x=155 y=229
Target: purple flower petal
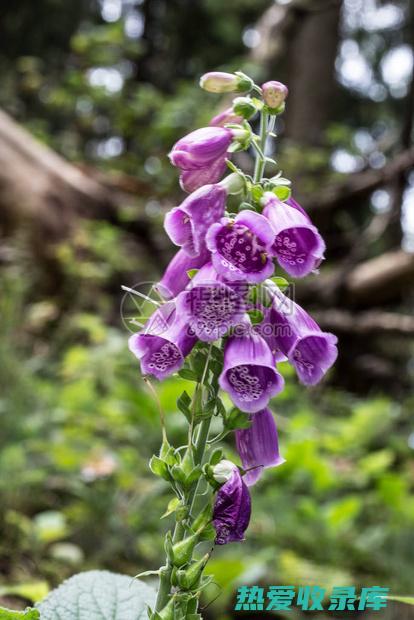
x=175 y=277
x=201 y=147
x=313 y=355
x=240 y=247
x=294 y=332
x=163 y=344
x=249 y=372
x=258 y=446
x=227 y=116
x=293 y=203
x=232 y=510
x=298 y=246
x=187 y=224
x=190 y=180
x=212 y=306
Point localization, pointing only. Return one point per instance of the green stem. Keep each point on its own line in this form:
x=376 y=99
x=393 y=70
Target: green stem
x=260 y=157
x=199 y=450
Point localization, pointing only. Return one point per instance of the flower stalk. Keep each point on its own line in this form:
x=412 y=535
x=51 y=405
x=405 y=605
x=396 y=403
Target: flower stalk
x=219 y=327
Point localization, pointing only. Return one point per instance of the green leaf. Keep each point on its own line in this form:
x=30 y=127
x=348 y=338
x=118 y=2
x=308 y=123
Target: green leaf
x=27 y=614
x=183 y=404
x=216 y=457
x=187 y=373
x=97 y=595
x=408 y=600
x=237 y=419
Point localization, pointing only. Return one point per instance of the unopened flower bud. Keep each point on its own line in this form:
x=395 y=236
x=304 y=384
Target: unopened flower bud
x=245 y=107
x=223 y=471
x=221 y=82
x=274 y=94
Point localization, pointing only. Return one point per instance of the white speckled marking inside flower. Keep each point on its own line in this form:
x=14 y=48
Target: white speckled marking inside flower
x=240 y=249
x=305 y=364
x=249 y=386
x=164 y=358
x=287 y=249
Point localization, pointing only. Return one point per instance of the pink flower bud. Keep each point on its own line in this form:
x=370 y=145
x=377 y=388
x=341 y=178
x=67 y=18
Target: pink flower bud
x=219 y=82
x=274 y=94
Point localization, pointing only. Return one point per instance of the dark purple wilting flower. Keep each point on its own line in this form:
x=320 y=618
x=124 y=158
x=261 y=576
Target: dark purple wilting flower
x=163 y=344
x=240 y=247
x=274 y=93
x=310 y=350
x=227 y=116
x=175 y=277
x=258 y=446
x=201 y=147
x=212 y=306
x=298 y=246
x=232 y=507
x=187 y=224
x=249 y=371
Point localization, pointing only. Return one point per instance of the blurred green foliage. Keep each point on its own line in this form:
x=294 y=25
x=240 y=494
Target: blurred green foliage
x=76 y=493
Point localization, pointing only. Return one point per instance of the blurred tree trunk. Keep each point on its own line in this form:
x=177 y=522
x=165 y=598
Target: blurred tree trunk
x=312 y=87
x=307 y=33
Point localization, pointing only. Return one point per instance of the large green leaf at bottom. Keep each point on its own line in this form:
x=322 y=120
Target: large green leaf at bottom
x=98 y=595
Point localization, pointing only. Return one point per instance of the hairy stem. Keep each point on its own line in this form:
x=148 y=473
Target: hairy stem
x=260 y=157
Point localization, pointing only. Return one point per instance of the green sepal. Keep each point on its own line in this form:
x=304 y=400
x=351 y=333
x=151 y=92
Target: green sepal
x=257 y=192
x=203 y=519
x=275 y=111
x=159 y=468
x=193 y=476
x=167 y=453
x=183 y=550
x=173 y=505
x=216 y=457
x=256 y=316
x=245 y=107
x=283 y=192
x=168 y=548
x=190 y=577
x=245 y=82
x=187 y=464
x=178 y=474
x=167 y=612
